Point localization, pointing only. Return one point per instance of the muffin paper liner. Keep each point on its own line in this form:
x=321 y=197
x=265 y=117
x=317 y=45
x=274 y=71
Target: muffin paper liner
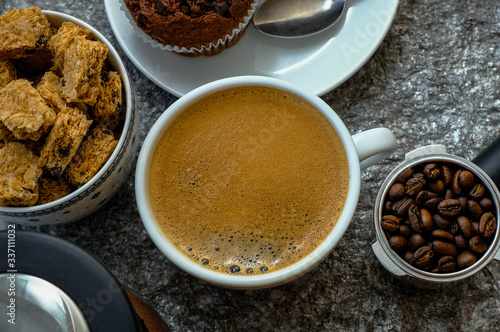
x=213 y=49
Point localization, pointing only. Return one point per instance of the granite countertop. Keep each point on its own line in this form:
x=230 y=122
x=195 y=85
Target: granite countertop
x=435 y=79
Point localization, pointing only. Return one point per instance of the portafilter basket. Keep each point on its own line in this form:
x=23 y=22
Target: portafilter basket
x=486 y=167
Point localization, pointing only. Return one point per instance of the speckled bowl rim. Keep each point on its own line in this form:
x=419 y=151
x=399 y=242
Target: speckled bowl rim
x=238 y=281
x=57 y=18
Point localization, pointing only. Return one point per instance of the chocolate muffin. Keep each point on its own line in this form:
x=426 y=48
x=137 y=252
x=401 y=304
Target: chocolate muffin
x=192 y=27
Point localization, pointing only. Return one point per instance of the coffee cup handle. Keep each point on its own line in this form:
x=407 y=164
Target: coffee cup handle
x=374 y=145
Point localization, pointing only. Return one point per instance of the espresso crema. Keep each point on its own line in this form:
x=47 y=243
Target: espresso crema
x=248 y=180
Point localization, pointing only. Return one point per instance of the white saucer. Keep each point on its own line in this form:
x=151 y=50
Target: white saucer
x=318 y=63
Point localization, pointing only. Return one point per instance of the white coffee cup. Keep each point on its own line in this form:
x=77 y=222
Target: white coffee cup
x=362 y=150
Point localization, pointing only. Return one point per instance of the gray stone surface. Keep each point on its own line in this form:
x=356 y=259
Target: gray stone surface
x=434 y=79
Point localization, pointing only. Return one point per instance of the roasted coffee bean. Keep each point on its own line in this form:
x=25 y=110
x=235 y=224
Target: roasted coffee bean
x=447 y=264
x=463 y=203
x=388 y=206
x=415 y=219
x=477 y=192
x=432 y=203
x=455 y=185
x=478 y=245
x=440 y=222
x=444 y=248
x=405 y=175
x=454 y=228
x=390 y=223
x=409 y=258
x=431 y=172
x=487 y=224
x=475 y=227
x=405 y=230
x=449 y=207
x=437 y=186
x=448 y=194
x=466 y=259
x=446 y=175
x=427 y=221
x=401 y=207
x=424 y=196
x=416 y=241
x=485 y=203
x=397 y=191
x=414 y=185
x=465 y=226
x=424 y=257
x=474 y=209
x=397 y=242
x=460 y=241
x=466 y=179
x=440 y=234
x=419 y=176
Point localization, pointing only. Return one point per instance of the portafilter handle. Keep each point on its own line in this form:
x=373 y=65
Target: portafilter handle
x=489 y=161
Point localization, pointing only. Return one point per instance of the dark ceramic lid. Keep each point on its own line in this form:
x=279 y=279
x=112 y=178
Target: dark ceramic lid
x=92 y=287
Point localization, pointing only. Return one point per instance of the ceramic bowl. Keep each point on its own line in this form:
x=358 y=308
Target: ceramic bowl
x=107 y=181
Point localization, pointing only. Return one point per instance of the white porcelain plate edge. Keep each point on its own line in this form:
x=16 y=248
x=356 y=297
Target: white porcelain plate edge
x=317 y=63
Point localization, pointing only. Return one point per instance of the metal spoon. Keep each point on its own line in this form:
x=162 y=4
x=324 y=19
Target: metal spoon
x=297 y=18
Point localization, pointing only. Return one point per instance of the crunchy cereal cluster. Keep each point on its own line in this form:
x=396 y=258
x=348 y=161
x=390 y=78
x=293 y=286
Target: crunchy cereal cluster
x=60 y=108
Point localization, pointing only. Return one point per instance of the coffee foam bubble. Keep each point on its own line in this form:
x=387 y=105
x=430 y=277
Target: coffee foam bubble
x=248 y=181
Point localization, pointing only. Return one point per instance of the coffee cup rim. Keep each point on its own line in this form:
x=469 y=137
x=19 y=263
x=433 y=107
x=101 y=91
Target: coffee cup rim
x=238 y=281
